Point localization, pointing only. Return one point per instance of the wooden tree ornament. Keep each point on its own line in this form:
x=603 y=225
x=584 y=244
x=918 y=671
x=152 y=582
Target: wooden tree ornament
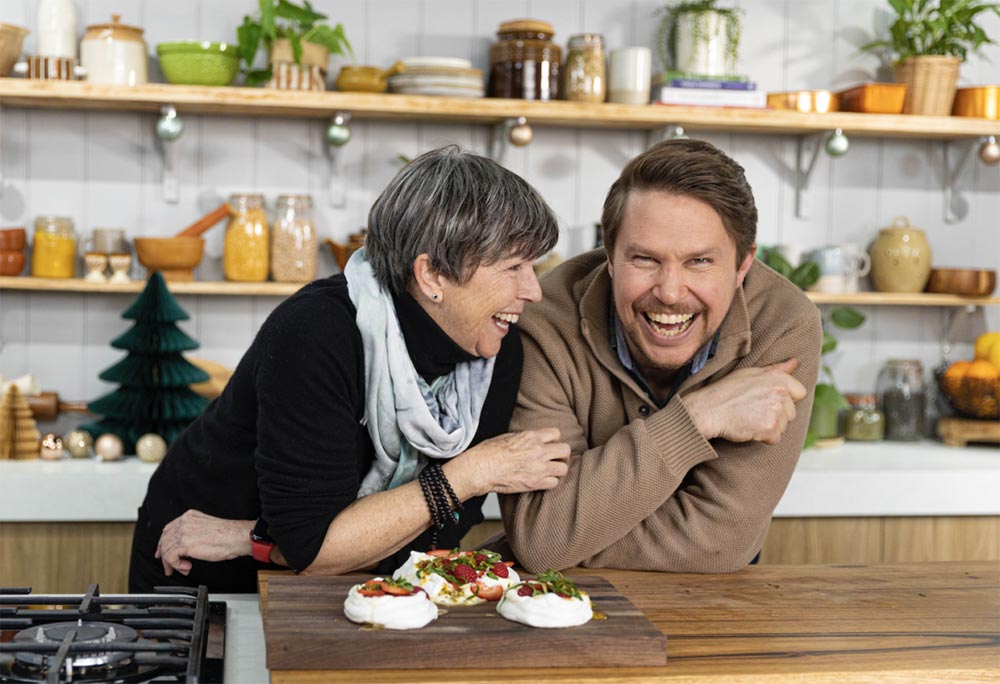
x=19 y=436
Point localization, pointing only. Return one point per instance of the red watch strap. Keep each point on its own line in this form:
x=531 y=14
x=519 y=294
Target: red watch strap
x=261 y=549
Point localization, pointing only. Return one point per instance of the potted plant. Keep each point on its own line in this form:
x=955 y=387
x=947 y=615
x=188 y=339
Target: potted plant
x=298 y=41
x=928 y=40
x=699 y=37
x=828 y=401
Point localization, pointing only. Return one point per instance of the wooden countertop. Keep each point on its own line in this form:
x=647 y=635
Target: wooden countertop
x=903 y=623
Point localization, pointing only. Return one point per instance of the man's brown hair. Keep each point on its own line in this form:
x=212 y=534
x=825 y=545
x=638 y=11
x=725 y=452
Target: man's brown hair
x=690 y=168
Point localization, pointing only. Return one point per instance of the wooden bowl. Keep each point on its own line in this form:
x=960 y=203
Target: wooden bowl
x=13 y=239
x=976 y=282
x=873 y=98
x=174 y=257
x=805 y=101
x=11 y=262
x=978 y=101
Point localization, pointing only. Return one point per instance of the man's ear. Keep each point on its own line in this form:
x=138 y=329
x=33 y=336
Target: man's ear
x=745 y=266
x=428 y=281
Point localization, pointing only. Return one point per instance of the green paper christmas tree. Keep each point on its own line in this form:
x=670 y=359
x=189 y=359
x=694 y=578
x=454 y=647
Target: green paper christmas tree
x=153 y=395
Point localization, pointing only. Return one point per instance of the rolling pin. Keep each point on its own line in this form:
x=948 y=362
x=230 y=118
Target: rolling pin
x=46 y=406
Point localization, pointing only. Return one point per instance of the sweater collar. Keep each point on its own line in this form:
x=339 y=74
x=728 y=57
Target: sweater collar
x=433 y=353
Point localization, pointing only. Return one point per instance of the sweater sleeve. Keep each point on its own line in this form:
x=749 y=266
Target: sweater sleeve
x=656 y=496
x=306 y=382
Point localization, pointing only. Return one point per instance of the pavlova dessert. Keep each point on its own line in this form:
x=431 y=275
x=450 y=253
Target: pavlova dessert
x=393 y=604
x=549 y=600
x=458 y=578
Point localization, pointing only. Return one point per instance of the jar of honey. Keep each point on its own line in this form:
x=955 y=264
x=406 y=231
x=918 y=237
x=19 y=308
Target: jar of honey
x=245 y=246
x=524 y=62
x=54 y=250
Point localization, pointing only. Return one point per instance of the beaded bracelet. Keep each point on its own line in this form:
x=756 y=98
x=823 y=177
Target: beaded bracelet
x=442 y=502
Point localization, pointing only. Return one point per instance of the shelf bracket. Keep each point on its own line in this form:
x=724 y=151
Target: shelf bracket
x=169 y=128
x=954 y=208
x=513 y=131
x=338 y=134
x=834 y=142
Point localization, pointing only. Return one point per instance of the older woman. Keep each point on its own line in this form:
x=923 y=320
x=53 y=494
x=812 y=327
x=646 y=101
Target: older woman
x=368 y=417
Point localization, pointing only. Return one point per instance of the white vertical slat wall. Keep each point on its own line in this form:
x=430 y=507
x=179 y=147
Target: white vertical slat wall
x=103 y=169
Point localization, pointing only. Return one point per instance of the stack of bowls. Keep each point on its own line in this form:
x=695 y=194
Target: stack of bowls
x=192 y=62
x=12 y=243
x=448 y=76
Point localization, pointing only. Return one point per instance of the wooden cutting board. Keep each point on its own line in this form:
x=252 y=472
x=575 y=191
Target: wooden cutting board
x=305 y=629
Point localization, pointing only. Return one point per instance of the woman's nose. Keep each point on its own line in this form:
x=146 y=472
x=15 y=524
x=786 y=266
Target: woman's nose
x=530 y=289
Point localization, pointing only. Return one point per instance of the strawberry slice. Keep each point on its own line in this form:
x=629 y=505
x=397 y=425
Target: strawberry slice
x=395 y=590
x=371 y=589
x=464 y=574
x=501 y=570
x=439 y=553
x=492 y=593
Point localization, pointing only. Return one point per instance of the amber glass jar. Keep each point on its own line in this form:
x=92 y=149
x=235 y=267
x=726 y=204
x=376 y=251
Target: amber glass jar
x=53 y=252
x=524 y=62
x=293 y=240
x=245 y=247
x=585 y=71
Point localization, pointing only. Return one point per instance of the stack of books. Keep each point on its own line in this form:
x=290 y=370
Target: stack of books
x=702 y=90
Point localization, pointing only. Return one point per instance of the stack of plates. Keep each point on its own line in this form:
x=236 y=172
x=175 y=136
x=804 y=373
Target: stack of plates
x=448 y=76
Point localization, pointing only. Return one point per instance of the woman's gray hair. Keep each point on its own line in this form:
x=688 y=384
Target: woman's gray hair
x=462 y=210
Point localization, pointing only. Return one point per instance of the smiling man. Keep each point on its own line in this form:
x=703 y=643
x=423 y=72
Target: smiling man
x=679 y=369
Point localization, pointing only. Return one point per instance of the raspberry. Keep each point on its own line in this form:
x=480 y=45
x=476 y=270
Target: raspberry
x=464 y=574
x=481 y=558
x=525 y=591
x=500 y=570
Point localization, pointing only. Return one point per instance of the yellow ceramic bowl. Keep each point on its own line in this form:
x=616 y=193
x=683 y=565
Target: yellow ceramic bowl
x=174 y=257
x=361 y=79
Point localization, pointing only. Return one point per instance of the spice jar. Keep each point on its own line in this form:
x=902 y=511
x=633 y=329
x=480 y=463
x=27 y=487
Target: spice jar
x=524 y=62
x=54 y=250
x=900 y=389
x=293 y=240
x=863 y=422
x=245 y=247
x=585 y=73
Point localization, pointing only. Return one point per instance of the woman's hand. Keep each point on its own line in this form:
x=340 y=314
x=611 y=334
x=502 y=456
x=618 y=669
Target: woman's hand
x=515 y=462
x=202 y=536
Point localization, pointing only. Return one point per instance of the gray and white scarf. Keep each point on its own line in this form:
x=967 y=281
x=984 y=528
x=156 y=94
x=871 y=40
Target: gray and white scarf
x=409 y=421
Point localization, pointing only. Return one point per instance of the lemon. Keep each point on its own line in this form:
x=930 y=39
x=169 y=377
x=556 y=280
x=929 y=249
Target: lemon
x=995 y=355
x=986 y=343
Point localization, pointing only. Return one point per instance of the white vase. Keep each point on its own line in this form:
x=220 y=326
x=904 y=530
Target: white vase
x=57 y=29
x=702 y=38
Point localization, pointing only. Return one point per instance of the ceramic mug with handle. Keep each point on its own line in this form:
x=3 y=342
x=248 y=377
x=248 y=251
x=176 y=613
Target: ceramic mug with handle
x=840 y=266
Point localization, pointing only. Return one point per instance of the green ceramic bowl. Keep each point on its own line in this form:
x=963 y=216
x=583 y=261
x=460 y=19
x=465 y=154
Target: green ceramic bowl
x=192 y=62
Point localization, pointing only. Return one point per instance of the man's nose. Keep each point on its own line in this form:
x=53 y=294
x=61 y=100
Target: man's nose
x=670 y=285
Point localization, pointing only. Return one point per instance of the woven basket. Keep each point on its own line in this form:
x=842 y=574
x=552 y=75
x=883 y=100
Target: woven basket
x=930 y=84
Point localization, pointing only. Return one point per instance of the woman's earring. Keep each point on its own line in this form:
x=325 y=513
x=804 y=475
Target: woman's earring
x=434 y=296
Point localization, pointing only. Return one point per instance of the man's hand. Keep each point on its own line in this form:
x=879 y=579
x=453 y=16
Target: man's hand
x=202 y=536
x=748 y=405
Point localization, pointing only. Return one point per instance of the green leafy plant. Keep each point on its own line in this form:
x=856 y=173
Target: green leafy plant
x=278 y=19
x=934 y=27
x=828 y=398
x=666 y=32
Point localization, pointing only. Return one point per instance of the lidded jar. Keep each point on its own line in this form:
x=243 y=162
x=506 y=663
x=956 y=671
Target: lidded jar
x=524 y=62
x=863 y=422
x=900 y=390
x=114 y=53
x=901 y=258
x=54 y=248
x=585 y=70
x=293 y=240
x=245 y=246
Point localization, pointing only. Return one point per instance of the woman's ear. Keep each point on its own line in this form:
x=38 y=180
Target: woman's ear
x=428 y=281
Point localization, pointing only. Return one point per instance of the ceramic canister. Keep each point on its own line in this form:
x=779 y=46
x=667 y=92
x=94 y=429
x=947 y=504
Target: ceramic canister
x=114 y=53
x=901 y=258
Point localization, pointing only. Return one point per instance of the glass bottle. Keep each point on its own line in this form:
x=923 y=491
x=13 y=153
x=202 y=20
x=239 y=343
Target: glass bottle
x=293 y=240
x=245 y=246
x=585 y=71
x=900 y=389
x=524 y=62
x=863 y=422
x=54 y=250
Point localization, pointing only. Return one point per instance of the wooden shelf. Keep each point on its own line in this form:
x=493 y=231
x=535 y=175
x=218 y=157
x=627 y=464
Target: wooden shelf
x=16 y=92
x=80 y=285
x=901 y=299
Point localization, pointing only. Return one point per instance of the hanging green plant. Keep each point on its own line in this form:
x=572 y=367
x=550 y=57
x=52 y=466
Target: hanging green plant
x=666 y=33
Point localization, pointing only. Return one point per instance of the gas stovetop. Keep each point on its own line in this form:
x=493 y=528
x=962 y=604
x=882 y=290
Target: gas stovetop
x=173 y=635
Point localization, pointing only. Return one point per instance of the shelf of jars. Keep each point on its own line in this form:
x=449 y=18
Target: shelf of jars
x=15 y=92
x=208 y=287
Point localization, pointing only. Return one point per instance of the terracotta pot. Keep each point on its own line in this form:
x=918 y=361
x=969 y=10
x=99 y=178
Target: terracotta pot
x=901 y=258
x=11 y=263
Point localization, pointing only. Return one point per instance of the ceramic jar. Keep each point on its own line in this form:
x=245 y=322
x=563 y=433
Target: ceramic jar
x=53 y=253
x=524 y=62
x=114 y=53
x=57 y=29
x=901 y=258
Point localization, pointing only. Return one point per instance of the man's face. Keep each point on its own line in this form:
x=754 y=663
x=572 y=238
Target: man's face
x=674 y=276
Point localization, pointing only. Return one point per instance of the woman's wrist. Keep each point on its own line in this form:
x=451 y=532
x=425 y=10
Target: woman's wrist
x=465 y=477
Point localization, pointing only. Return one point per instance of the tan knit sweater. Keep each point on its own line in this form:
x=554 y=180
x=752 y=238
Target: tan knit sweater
x=645 y=490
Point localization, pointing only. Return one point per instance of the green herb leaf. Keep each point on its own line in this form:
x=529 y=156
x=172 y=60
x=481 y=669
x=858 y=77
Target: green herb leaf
x=805 y=274
x=332 y=39
x=248 y=37
x=267 y=16
x=778 y=263
x=827 y=395
x=258 y=76
x=829 y=343
x=305 y=16
x=296 y=42
x=847 y=317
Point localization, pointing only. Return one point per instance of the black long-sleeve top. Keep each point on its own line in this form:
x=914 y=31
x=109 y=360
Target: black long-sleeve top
x=285 y=441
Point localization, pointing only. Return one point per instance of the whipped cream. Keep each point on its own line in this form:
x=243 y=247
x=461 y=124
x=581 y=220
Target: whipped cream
x=391 y=612
x=545 y=610
x=441 y=590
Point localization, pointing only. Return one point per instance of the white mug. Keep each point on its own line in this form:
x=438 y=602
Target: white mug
x=629 y=75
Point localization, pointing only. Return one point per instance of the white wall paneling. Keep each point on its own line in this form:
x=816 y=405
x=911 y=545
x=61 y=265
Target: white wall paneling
x=104 y=168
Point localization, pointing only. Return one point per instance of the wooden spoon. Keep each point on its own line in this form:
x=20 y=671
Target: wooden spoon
x=207 y=221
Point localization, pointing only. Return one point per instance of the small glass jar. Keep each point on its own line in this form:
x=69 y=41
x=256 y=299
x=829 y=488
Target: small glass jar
x=585 y=70
x=900 y=390
x=863 y=422
x=524 y=62
x=293 y=240
x=245 y=246
x=54 y=250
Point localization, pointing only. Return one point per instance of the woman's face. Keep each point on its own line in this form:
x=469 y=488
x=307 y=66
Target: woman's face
x=478 y=314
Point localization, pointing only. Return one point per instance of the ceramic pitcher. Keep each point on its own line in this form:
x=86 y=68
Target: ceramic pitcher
x=901 y=258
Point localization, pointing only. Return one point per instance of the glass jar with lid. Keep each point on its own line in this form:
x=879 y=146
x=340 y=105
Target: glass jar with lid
x=54 y=249
x=524 y=62
x=585 y=70
x=900 y=390
x=245 y=246
x=863 y=421
x=293 y=240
